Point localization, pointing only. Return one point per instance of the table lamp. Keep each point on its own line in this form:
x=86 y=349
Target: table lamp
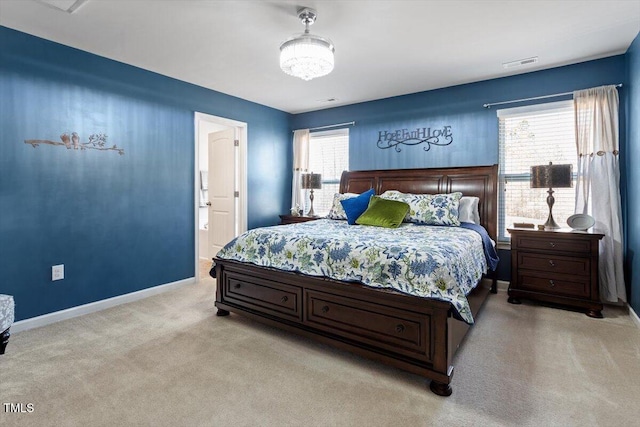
x=551 y=176
x=311 y=181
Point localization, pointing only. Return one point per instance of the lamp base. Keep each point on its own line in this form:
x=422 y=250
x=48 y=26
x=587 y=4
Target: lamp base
x=311 y=213
x=551 y=223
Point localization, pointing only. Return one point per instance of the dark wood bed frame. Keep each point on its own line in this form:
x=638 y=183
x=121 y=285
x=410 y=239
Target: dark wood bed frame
x=415 y=334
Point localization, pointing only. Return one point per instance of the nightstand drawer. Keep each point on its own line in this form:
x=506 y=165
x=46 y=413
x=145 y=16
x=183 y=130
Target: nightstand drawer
x=554 y=264
x=553 y=244
x=559 y=284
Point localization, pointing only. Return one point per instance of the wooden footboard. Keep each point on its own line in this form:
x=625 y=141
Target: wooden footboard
x=414 y=334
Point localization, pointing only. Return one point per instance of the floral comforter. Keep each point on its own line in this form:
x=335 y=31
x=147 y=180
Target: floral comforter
x=443 y=263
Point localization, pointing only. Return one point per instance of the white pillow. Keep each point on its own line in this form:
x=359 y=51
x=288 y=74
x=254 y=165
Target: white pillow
x=468 y=209
x=337 y=211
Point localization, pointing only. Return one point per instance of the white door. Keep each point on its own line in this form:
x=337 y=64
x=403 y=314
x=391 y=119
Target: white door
x=222 y=188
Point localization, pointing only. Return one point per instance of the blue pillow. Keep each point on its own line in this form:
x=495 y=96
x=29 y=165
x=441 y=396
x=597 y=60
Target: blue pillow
x=355 y=206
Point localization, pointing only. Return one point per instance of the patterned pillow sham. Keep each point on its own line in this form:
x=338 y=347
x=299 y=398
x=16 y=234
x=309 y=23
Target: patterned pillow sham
x=337 y=211
x=430 y=209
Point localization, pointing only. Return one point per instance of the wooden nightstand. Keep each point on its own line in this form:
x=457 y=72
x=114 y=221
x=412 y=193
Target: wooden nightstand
x=290 y=219
x=559 y=266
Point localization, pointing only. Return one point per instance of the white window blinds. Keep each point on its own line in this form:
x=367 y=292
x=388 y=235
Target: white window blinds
x=531 y=136
x=329 y=156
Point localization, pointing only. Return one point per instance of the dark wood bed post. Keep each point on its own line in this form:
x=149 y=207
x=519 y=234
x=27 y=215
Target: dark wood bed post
x=411 y=333
x=493 y=275
x=221 y=312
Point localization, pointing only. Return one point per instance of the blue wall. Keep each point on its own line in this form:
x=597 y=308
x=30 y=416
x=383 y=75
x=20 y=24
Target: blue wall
x=633 y=174
x=124 y=223
x=474 y=128
x=119 y=223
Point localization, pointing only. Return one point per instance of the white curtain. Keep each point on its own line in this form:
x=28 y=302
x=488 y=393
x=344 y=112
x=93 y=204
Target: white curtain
x=300 y=166
x=598 y=185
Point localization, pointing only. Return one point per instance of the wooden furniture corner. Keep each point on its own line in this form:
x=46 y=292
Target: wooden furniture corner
x=291 y=219
x=4 y=340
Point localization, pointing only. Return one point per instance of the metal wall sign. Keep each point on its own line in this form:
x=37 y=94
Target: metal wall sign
x=440 y=136
x=97 y=141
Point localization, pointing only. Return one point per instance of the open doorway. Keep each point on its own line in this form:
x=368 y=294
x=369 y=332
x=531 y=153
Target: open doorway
x=220 y=186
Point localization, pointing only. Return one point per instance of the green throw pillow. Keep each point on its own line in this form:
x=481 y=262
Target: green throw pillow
x=383 y=213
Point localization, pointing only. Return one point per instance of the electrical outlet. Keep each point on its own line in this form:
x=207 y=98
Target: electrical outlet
x=57 y=272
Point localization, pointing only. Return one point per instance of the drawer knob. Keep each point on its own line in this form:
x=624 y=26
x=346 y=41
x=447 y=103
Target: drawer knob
x=400 y=328
x=325 y=308
x=284 y=298
x=551 y=283
x=553 y=245
x=551 y=263
x=237 y=286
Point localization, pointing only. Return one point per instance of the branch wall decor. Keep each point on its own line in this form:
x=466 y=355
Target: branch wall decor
x=389 y=139
x=97 y=141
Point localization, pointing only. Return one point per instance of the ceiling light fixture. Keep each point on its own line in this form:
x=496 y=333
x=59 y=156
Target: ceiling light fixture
x=306 y=55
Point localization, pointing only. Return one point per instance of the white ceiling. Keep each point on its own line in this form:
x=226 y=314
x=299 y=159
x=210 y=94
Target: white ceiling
x=383 y=48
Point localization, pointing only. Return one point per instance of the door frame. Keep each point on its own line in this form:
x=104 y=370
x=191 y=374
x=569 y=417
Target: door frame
x=241 y=129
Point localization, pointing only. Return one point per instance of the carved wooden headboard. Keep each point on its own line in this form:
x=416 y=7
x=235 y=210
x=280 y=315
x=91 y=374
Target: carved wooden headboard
x=479 y=181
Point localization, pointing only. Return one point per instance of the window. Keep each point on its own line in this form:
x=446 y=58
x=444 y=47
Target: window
x=531 y=136
x=329 y=156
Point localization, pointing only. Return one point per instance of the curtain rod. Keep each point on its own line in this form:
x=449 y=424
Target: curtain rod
x=332 y=126
x=535 y=97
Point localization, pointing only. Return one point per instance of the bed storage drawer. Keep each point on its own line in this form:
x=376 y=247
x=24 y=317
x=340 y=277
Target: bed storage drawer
x=388 y=328
x=264 y=296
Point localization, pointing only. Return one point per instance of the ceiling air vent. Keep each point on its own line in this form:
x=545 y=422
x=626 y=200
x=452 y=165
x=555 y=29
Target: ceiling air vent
x=520 y=62
x=68 y=6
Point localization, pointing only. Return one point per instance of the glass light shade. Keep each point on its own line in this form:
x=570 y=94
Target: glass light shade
x=307 y=56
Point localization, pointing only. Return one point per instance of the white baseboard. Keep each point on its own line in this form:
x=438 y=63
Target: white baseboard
x=634 y=316
x=503 y=285
x=57 y=316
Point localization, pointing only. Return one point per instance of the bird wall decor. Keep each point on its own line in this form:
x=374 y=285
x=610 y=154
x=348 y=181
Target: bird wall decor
x=97 y=141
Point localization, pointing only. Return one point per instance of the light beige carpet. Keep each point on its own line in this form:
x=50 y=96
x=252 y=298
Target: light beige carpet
x=169 y=361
